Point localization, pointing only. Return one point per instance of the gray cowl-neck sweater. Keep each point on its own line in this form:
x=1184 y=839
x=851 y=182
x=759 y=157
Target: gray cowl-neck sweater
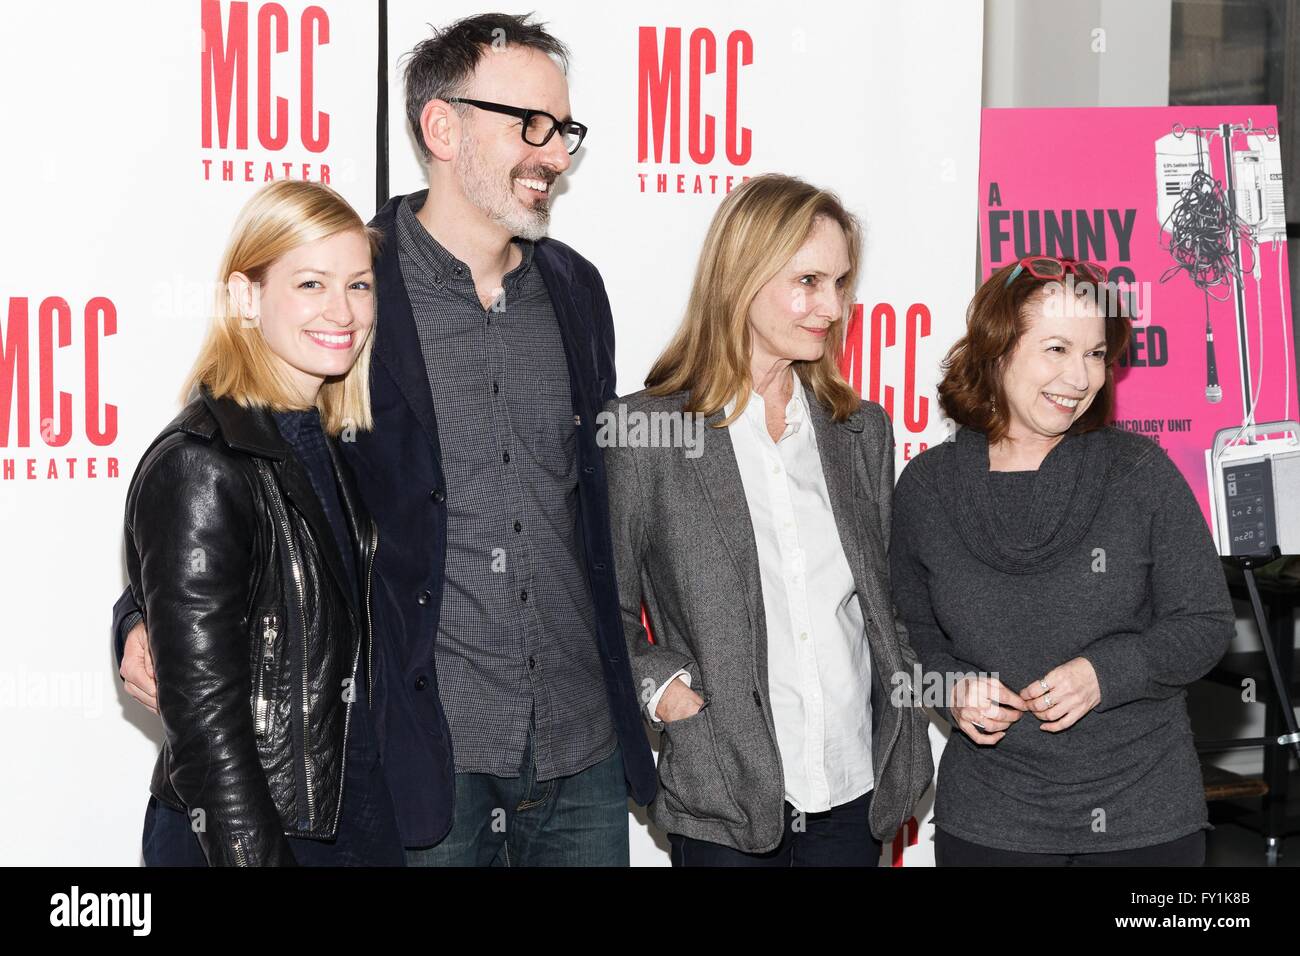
x=1101 y=553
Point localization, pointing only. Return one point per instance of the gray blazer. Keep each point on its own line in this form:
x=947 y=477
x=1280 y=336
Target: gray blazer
x=684 y=544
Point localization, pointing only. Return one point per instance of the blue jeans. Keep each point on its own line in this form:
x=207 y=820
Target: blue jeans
x=840 y=836
x=579 y=820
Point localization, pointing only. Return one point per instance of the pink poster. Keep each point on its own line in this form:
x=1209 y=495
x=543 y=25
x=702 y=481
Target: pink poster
x=1184 y=206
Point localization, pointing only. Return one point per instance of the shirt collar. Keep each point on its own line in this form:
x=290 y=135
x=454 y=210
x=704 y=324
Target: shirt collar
x=433 y=257
x=796 y=410
x=293 y=423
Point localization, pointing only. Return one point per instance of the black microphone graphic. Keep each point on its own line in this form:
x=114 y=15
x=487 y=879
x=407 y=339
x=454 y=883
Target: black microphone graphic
x=1213 y=393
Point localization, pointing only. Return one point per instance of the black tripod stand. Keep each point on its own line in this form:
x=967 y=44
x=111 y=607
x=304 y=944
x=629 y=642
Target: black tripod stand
x=1281 y=681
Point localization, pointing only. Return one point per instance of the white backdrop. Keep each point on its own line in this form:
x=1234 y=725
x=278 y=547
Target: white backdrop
x=105 y=195
x=109 y=205
x=879 y=101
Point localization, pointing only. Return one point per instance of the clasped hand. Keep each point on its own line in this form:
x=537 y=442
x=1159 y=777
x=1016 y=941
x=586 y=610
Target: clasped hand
x=983 y=707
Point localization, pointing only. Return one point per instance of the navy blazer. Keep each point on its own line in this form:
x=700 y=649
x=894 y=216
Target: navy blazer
x=399 y=473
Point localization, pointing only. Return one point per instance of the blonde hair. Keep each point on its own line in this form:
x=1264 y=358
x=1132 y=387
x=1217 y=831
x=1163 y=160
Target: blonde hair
x=235 y=360
x=757 y=229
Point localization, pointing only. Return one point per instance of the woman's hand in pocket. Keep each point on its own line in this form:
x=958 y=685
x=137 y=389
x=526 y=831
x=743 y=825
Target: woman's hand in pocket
x=678 y=702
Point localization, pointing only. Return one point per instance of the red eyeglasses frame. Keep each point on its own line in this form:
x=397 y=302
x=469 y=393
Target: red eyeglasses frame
x=1088 y=271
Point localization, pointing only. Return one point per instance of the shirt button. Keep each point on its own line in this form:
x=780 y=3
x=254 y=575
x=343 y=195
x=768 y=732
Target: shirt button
x=423 y=597
x=421 y=682
x=776 y=469
x=494 y=388
x=505 y=456
x=438 y=496
x=523 y=595
x=532 y=662
x=803 y=635
x=518 y=526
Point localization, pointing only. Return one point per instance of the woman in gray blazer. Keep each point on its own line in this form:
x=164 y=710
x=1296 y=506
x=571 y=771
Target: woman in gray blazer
x=750 y=494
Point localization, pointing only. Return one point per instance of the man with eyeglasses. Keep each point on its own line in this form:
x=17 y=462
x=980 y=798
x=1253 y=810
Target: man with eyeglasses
x=494 y=350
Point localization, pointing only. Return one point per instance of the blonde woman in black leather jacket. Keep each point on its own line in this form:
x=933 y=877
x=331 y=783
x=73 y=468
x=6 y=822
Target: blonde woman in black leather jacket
x=249 y=553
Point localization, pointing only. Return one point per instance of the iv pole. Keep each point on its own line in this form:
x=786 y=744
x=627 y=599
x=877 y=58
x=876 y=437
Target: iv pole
x=1239 y=299
x=1248 y=563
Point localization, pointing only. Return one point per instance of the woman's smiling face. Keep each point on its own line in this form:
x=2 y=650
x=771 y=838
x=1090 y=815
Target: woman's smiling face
x=315 y=307
x=1058 y=365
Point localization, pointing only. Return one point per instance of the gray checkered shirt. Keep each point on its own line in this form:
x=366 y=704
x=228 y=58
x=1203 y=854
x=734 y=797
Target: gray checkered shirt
x=517 y=632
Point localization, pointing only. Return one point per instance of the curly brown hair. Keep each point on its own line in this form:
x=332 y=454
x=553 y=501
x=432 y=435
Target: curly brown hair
x=971 y=391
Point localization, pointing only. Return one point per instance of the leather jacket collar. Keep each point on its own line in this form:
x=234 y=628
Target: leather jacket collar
x=250 y=430
x=254 y=432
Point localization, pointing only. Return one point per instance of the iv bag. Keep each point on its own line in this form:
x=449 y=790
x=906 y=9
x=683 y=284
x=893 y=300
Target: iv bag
x=1176 y=162
x=1269 y=217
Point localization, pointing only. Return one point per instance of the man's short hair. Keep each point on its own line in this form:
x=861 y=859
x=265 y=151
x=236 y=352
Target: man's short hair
x=441 y=66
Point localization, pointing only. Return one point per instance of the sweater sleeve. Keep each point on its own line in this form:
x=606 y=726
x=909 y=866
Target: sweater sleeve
x=1191 y=612
x=909 y=578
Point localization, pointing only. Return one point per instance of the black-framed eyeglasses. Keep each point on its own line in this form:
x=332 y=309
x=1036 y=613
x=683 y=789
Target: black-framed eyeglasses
x=538 y=126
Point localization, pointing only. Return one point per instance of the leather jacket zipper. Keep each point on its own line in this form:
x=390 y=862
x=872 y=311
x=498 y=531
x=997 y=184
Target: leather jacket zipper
x=270 y=629
x=370 y=627
x=274 y=495
x=241 y=857
x=343 y=764
x=356 y=659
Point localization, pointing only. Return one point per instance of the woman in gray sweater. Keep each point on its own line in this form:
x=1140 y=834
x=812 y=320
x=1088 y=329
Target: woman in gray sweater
x=1065 y=568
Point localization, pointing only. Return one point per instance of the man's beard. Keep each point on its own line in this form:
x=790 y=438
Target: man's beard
x=497 y=199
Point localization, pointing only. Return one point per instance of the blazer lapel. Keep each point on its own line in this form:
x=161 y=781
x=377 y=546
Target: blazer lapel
x=837 y=448
x=723 y=488
x=397 y=342
x=571 y=303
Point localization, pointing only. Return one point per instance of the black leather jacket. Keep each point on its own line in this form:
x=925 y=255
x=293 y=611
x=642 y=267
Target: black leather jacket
x=254 y=635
